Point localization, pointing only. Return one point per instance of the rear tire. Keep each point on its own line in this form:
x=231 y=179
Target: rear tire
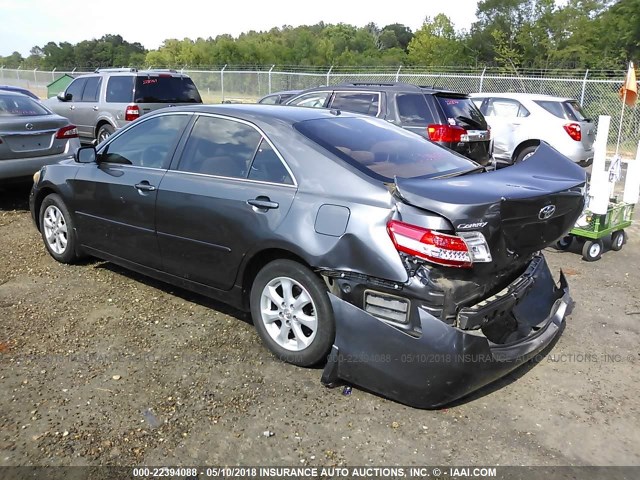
x=104 y=132
x=57 y=229
x=592 y=250
x=564 y=243
x=525 y=153
x=618 y=239
x=292 y=313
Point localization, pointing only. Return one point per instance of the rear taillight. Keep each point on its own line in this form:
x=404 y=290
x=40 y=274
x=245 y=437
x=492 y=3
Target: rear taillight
x=574 y=131
x=70 y=131
x=131 y=113
x=430 y=245
x=445 y=133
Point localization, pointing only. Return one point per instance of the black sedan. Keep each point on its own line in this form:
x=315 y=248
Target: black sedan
x=404 y=266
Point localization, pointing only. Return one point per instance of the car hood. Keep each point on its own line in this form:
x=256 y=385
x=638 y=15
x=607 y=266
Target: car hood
x=519 y=209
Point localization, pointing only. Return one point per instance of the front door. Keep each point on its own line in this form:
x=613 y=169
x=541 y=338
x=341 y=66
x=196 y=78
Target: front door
x=116 y=199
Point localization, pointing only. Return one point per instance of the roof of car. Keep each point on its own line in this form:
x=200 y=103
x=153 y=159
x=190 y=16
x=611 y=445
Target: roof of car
x=257 y=111
x=394 y=86
x=521 y=96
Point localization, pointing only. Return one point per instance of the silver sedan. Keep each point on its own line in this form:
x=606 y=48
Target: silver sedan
x=31 y=136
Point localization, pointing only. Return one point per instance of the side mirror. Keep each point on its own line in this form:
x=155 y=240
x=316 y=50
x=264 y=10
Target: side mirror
x=64 y=97
x=86 y=155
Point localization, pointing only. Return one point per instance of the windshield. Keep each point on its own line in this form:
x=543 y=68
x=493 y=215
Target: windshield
x=20 y=105
x=166 y=89
x=462 y=111
x=382 y=150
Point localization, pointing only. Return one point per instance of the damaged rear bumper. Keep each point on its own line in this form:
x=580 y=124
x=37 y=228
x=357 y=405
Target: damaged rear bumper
x=444 y=363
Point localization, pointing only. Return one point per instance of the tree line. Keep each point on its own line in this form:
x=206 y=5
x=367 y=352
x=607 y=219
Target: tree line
x=512 y=34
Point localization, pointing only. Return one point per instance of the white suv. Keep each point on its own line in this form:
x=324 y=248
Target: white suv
x=520 y=121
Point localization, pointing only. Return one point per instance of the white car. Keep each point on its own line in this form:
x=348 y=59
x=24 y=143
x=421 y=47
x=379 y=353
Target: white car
x=520 y=121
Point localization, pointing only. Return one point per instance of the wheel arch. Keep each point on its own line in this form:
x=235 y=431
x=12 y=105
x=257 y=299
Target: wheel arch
x=43 y=193
x=532 y=142
x=101 y=122
x=257 y=261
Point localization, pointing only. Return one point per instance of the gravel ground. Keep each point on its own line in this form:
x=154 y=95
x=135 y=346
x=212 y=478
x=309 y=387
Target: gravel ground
x=101 y=366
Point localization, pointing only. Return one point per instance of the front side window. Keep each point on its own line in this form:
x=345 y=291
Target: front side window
x=357 y=102
x=91 y=89
x=120 y=89
x=313 y=99
x=505 y=107
x=147 y=144
x=270 y=100
x=219 y=146
x=75 y=89
x=381 y=150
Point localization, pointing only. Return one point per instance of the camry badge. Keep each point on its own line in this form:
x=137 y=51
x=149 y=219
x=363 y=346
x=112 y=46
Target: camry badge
x=546 y=212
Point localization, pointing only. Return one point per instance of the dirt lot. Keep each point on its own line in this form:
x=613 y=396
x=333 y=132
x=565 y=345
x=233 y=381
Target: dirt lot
x=102 y=366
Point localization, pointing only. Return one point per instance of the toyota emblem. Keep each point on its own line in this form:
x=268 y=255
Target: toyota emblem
x=546 y=212
x=29 y=126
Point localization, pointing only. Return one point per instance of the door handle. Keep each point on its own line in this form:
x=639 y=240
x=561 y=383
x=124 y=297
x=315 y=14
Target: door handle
x=95 y=109
x=263 y=203
x=72 y=107
x=144 y=186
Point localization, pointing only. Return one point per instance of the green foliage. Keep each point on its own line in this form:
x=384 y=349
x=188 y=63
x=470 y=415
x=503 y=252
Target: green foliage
x=436 y=43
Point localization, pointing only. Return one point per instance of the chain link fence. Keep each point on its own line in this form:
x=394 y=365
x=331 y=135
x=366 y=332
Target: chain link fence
x=597 y=91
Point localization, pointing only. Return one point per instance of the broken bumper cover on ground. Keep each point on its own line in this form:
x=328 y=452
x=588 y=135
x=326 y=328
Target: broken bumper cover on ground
x=444 y=363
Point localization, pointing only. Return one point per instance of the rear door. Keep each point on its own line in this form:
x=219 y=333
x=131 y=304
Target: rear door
x=229 y=191
x=115 y=200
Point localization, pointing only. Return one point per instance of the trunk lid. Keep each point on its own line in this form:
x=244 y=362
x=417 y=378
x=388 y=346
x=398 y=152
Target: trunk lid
x=519 y=209
x=31 y=136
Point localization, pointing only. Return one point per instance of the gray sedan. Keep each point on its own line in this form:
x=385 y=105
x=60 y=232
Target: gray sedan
x=417 y=274
x=31 y=136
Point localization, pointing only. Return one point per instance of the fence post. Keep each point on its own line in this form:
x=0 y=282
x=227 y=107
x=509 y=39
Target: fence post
x=35 y=76
x=18 y=72
x=270 y=78
x=482 y=79
x=222 y=81
x=398 y=74
x=2 y=73
x=584 y=85
x=329 y=73
x=53 y=74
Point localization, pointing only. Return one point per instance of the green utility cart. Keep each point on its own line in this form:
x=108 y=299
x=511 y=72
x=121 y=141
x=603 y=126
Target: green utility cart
x=617 y=218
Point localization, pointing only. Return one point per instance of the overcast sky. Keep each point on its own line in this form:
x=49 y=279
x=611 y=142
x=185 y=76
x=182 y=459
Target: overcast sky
x=26 y=23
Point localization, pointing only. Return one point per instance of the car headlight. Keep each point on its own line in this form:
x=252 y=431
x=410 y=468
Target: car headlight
x=36 y=177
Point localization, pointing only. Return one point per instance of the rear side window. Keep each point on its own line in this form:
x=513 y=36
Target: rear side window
x=358 y=102
x=19 y=105
x=120 y=89
x=75 y=89
x=268 y=167
x=461 y=111
x=166 y=89
x=218 y=146
x=567 y=110
x=381 y=150
x=413 y=109
x=91 y=89
x=271 y=100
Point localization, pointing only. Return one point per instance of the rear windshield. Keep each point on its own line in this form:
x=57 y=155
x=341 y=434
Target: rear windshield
x=462 y=111
x=20 y=105
x=166 y=89
x=568 y=110
x=381 y=150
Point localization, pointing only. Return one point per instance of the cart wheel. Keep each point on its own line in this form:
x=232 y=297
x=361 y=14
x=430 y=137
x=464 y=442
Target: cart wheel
x=592 y=250
x=618 y=239
x=564 y=243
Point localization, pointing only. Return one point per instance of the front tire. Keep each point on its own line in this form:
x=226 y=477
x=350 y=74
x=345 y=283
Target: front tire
x=57 y=229
x=292 y=313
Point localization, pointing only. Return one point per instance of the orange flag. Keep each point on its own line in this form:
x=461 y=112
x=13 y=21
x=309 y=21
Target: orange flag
x=629 y=91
